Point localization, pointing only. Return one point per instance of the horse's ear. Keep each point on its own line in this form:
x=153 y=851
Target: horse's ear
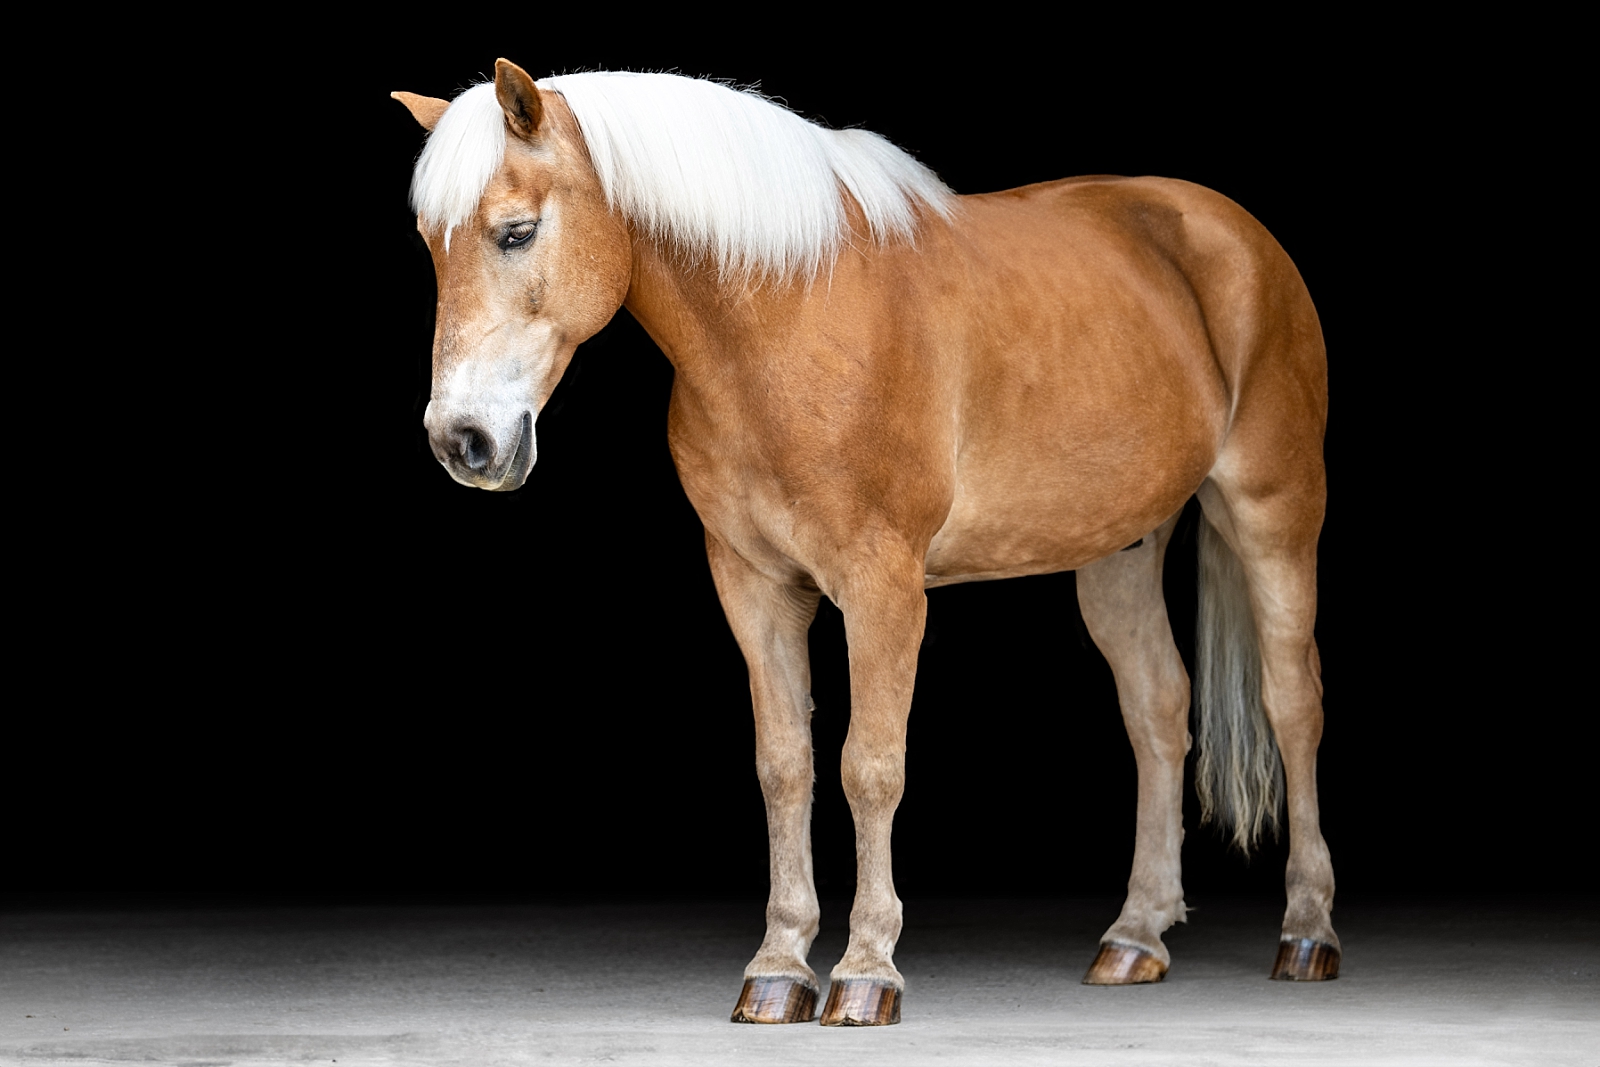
x=518 y=98
x=427 y=110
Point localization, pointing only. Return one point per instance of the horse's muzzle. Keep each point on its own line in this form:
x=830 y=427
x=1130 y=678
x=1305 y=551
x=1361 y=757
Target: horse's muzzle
x=472 y=456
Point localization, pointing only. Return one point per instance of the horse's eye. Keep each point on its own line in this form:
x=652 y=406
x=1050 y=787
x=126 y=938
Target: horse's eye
x=519 y=235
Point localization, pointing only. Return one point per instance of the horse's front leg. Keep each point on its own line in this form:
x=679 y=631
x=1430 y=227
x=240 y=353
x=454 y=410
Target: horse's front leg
x=770 y=620
x=884 y=610
x=1126 y=614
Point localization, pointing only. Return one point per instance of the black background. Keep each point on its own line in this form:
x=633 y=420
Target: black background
x=339 y=675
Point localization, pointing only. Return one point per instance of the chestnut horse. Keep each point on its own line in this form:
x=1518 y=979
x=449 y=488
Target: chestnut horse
x=882 y=387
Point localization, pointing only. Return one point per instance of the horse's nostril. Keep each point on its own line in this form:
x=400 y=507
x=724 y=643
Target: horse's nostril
x=475 y=451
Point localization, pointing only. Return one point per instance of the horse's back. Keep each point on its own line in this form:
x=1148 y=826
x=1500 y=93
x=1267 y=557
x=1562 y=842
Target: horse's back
x=1116 y=330
x=1241 y=281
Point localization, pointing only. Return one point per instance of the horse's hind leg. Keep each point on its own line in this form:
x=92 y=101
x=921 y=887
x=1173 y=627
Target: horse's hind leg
x=1126 y=614
x=1273 y=535
x=770 y=620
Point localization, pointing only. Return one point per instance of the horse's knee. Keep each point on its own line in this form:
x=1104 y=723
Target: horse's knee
x=786 y=777
x=872 y=777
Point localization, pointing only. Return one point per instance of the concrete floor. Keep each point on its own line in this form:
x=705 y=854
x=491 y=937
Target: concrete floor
x=988 y=982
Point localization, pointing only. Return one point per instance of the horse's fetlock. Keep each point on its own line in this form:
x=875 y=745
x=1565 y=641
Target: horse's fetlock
x=804 y=922
x=877 y=935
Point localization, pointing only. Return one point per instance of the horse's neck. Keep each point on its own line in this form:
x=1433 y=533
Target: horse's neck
x=698 y=319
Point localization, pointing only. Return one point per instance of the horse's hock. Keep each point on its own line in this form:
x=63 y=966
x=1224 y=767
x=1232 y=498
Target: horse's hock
x=988 y=386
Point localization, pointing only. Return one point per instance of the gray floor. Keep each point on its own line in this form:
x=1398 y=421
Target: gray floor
x=990 y=982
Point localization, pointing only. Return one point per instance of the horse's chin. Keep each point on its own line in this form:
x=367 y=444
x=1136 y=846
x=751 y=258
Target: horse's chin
x=516 y=474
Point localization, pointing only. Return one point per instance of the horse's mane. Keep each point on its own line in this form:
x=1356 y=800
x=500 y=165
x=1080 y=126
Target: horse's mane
x=711 y=169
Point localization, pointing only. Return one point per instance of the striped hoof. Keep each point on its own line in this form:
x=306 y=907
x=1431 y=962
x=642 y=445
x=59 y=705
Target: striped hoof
x=1305 y=960
x=775 y=1000
x=1124 y=965
x=861 y=1002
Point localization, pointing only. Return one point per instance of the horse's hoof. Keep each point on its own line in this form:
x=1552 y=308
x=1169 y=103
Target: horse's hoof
x=1305 y=960
x=861 y=1002
x=1124 y=965
x=775 y=1000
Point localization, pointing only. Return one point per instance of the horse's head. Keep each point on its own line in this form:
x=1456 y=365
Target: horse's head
x=530 y=263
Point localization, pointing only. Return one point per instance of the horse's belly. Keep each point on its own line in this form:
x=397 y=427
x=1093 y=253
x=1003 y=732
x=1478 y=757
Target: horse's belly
x=1037 y=506
x=1091 y=405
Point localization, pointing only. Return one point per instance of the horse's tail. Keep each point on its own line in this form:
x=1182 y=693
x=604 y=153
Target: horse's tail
x=1238 y=771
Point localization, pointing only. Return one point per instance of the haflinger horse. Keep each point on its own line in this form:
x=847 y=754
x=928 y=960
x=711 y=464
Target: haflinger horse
x=883 y=387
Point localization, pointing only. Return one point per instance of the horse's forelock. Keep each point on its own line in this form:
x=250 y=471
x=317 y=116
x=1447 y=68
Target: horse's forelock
x=463 y=153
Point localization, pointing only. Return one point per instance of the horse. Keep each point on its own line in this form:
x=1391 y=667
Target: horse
x=881 y=387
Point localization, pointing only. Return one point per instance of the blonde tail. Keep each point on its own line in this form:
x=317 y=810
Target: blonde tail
x=1238 y=771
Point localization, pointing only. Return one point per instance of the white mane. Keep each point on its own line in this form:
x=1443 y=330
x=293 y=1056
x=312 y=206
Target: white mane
x=711 y=169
